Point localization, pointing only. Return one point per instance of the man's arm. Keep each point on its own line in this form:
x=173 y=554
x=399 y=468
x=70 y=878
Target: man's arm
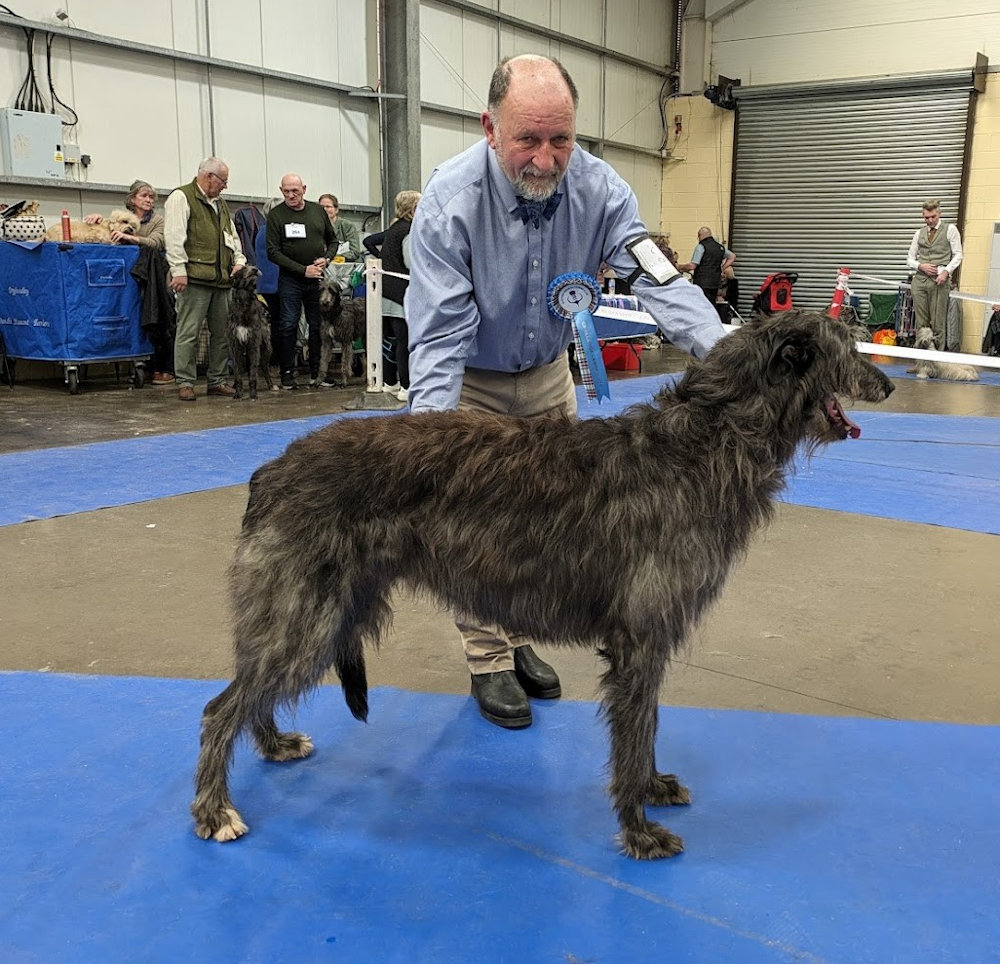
x=441 y=311
x=729 y=260
x=175 y=220
x=911 y=256
x=353 y=237
x=696 y=256
x=955 y=240
x=679 y=309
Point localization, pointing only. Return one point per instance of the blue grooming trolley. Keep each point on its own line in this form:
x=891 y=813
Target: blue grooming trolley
x=72 y=304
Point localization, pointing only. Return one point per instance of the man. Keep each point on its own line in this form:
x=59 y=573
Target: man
x=494 y=226
x=347 y=234
x=709 y=262
x=934 y=256
x=203 y=251
x=300 y=241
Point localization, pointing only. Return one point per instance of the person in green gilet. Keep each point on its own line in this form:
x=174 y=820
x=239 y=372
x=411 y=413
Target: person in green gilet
x=935 y=254
x=203 y=251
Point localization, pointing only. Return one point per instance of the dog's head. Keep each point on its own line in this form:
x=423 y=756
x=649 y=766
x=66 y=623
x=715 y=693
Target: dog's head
x=785 y=373
x=330 y=302
x=905 y=339
x=925 y=339
x=124 y=221
x=245 y=278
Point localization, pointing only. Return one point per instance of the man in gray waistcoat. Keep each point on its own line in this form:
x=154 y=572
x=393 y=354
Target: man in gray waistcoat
x=934 y=256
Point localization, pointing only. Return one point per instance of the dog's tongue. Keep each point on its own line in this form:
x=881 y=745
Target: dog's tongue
x=839 y=417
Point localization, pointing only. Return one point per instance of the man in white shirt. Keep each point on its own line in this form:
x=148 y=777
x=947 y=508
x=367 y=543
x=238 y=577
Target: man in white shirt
x=934 y=256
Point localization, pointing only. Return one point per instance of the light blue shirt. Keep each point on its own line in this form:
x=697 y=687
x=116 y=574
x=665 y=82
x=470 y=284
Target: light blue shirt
x=479 y=276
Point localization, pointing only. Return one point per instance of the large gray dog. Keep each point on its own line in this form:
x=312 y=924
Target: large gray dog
x=530 y=525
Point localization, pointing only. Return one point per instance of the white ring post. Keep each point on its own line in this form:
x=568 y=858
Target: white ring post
x=373 y=316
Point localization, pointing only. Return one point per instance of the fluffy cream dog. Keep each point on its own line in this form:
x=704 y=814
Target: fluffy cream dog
x=123 y=222
x=934 y=369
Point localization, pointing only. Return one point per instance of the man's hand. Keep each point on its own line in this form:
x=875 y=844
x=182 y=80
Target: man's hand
x=118 y=237
x=925 y=267
x=942 y=278
x=314 y=270
x=178 y=284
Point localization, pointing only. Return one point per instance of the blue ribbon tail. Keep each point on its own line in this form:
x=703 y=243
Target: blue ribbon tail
x=583 y=324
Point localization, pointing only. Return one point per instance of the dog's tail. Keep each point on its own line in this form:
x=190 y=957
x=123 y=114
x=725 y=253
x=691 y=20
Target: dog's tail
x=350 y=666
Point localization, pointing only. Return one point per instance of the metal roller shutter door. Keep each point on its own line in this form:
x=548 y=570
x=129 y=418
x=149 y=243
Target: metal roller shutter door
x=836 y=176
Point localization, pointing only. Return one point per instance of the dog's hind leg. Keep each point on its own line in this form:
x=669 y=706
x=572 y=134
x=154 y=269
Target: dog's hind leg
x=253 y=360
x=265 y=355
x=630 y=687
x=212 y=809
x=346 y=360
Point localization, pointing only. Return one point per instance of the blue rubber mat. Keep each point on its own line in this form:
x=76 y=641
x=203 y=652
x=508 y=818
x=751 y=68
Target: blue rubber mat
x=934 y=469
x=430 y=835
x=45 y=483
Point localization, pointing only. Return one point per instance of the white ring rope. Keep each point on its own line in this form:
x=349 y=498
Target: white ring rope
x=958 y=295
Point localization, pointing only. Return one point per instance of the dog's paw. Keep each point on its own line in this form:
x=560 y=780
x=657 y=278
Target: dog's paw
x=667 y=791
x=224 y=825
x=288 y=746
x=650 y=841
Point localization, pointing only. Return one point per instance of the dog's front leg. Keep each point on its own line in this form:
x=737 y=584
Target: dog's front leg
x=631 y=685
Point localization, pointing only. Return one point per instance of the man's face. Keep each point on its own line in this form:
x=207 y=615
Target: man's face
x=533 y=134
x=293 y=191
x=931 y=218
x=331 y=209
x=213 y=183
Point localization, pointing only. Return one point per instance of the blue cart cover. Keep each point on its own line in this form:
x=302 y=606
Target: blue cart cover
x=74 y=302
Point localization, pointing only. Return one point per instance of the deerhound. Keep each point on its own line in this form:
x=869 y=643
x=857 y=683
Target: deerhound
x=248 y=329
x=343 y=321
x=934 y=369
x=529 y=524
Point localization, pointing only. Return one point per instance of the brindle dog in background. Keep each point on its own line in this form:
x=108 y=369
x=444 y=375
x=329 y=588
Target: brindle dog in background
x=530 y=525
x=343 y=322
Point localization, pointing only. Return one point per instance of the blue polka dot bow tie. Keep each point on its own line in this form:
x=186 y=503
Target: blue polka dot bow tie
x=534 y=211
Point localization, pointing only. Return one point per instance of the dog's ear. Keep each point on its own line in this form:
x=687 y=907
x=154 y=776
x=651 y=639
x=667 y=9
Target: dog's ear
x=793 y=356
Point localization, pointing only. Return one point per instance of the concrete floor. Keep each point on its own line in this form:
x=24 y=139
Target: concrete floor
x=831 y=613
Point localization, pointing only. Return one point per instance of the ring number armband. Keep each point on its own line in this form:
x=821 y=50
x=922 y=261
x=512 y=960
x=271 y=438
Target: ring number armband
x=651 y=261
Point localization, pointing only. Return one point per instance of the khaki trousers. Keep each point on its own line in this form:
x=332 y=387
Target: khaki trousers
x=547 y=390
x=194 y=304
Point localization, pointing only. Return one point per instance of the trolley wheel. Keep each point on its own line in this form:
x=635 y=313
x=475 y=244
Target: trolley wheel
x=138 y=376
x=73 y=380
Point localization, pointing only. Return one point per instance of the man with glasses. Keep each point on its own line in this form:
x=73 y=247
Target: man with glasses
x=203 y=251
x=301 y=242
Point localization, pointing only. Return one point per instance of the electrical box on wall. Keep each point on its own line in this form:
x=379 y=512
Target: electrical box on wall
x=31 y=144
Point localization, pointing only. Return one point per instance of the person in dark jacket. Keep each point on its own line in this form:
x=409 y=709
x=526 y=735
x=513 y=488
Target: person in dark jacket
x=301 y=242
x=393 y=246
x=708 y=262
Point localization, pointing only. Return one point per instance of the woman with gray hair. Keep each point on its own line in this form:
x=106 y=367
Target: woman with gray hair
x=141 y=201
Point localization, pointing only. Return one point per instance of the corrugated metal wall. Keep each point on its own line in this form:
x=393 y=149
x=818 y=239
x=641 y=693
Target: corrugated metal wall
x=825 y=177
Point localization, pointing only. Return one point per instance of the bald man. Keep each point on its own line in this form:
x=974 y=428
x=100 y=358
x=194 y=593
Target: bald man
x=494 y=226
x=301 y=242
x=708 y=263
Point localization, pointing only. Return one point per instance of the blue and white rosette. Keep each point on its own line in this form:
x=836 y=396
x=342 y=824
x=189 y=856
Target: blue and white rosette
x=573 y=297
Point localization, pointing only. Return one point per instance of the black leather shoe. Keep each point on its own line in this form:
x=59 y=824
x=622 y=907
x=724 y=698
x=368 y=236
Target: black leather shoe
x=536 y=677
x=501 y=699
